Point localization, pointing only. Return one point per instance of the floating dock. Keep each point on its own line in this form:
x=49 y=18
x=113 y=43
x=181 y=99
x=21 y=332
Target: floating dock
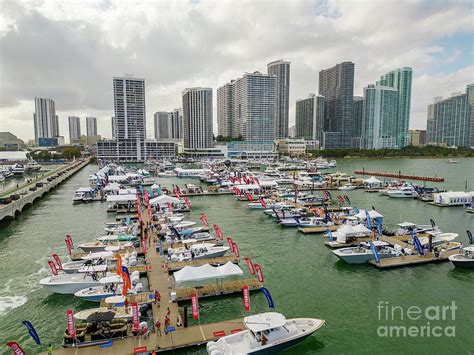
x=400 y=176
x=409 y=260
x=313 y=230
x=219 y=289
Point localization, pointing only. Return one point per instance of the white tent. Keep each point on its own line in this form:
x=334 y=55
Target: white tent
x=349 y=231
x=121 y=198
x=118 y=178
x=372 y=180
x=128 y=191
x=372 y=213
x=112 y=187
x=154 y=187
x=205 y=272
x=163 y=200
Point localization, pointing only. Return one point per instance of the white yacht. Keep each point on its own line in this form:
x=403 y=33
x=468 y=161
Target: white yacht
x=347 y=188
x=69 y=283
x=305 y=222
x=363 y=253
x=465 y=259
x=266 y=333
x=197 y=251
x=403 y=192
x=17 y=169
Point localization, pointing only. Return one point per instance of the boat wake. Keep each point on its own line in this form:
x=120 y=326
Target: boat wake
x=7 y=303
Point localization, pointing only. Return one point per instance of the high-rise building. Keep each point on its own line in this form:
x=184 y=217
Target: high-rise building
x=129 y=107
x=197 y=118
x=449 y=121
x=225 y=110
x=309 y=118
x=45 y=119
x=336 y=84
x=379 y=129
x=114 y=127
x=470 y=114
x=162 y=123
x=254 y=107
x=74 y=128
x=177 y=124
x=417 y=137
x=281 y=70
x=401 y=79
x=357 y=109
x=91 y=126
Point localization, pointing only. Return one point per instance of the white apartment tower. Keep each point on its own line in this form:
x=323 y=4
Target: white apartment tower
x=281 y=70
x=74 y=128
x=45 y=119
x=91 y=126
x=225 y=111
x=197 y=118
x=162 y=124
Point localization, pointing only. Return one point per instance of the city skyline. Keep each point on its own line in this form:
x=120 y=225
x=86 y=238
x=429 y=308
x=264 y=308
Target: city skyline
x=439 y=52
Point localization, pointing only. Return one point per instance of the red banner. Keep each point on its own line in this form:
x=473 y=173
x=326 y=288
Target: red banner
x=238 y=180
x=140 y=349
x=69 y=238
x=195 y=306
x=176 y=192
x=246 y=180
x=250 y=265
x=118 y=263
x=249 y=197
x=68 y=246
x=236 y=249
x=58 y=261
x=71 y=328
x=341 y=199
x=258 y=269
x=252 y=180
x=231 y=179
x=263 y=203
x=204 y=219
x=218 y=232
x=231 y=244
x=245 y=291
x=135 y=317
x=17 y=349
x=126 y=283
x=258 y=182
x=52 y=265
x=186 y=202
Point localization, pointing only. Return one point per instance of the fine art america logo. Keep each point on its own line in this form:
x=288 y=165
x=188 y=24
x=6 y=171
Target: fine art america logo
x=414 y=321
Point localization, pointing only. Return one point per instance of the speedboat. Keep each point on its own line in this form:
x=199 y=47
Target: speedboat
x=117 y=238
x=363 y=252
x=118 y=313
x=101 y=246
x=347 y=188
x=305 y=222
x=69 y=283
x=17 y=169
x=197 y=251
x=90 y=265
x=403 y=192
x=110 y=286
x=265 y=333
x=452 y=161
x=464 y=259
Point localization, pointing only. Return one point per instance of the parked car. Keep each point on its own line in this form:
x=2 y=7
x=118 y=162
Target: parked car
x=5 y=200
x=39 y=184
x=33 y=188
x=14 y=197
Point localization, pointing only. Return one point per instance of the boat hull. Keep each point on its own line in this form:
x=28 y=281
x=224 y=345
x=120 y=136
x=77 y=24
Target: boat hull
x=461 y=261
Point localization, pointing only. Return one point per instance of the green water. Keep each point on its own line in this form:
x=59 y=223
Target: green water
x=304 y=278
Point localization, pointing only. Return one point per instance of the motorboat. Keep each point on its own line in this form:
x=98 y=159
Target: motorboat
x=465 y=259
x=110 y=286
x=97 y=255
x=452 y=161
x=116 y=238
x=347 y=188
x=69 y=283
x=363 y=253
x=119 y=313
x=265 y=333
x=101 y=246
x=197 y=251
x=17 y=169
x=288 y=214
x=89 y=265
x=404 y=192
x=83 y=194
x=305 y=222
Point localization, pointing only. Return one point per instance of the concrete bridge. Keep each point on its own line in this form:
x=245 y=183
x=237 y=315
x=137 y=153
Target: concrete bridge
x=15 y=208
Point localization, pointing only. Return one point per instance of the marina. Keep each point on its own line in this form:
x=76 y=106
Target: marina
x=252 y=230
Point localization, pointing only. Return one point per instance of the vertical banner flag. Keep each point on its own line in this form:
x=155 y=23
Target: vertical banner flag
x=52 y=265
x=259 y=272
x=16 y=348
x=231 y=179
x=369 y=222
x=231 y=243
x=118 y=259
x=125 y=271
x=379 y=229
x=135 y=317
x=68 y=246
x=236 y=249
x=195 y=306
x=347 y=199
x=186 y=201
x=58 y=261
x=218 y=232
x=331 y=237
x=126 y=280
x=250 y=265
x=71 y=328
x=341 y=199
x=469 y=236
x=204 y=219
x=69 y=238
x=249 y=197
x=374 y=251
x=246 y=295
x=32 y=331
x=263 y=203
x=269 y=298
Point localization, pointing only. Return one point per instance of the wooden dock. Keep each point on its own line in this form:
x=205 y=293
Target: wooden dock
x=218 y=289
x=409 y=260
x=178 y=265
x=400 y=176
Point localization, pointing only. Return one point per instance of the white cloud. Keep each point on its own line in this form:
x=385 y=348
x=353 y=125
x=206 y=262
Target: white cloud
x=70 y=51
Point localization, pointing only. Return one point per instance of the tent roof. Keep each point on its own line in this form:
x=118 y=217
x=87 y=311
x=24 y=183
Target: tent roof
x=121 y=198
x=206 y=271
x=373 y=180
x=112 y=187
x=164 y=199
x=372 y=214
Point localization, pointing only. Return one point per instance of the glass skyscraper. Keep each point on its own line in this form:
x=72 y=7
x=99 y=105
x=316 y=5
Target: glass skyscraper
x=309 y=118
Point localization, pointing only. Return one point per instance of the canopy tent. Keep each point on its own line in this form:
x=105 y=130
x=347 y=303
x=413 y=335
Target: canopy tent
x=206 y=271
x=163 y=200
x=350 y=231
x=128 y=191
x=121 y=198
x=372 y=213
x=372 y=181
x=112 y=187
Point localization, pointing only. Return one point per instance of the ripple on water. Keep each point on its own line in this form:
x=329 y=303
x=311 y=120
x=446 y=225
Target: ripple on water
x=7 y=303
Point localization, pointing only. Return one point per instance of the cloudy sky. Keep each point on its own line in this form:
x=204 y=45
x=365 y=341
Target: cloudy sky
x=69 y=50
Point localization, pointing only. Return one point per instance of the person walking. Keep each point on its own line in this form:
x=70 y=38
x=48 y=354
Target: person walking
x=158 y=327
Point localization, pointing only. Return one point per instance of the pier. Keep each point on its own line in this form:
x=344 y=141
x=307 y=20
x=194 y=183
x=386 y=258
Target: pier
x=28 y=198
x=400 y=176
x=410 y=260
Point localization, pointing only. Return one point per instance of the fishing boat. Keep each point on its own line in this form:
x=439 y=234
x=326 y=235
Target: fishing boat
x=465 y=259
x=119 y=313
x=73 y=267
x=363 y=253
x=196 y=251
x=17 y=169
x=69 y=283
x=98 y=246
x=305 y=222
x=116 y=238
x=110 y=286
x=265 y=333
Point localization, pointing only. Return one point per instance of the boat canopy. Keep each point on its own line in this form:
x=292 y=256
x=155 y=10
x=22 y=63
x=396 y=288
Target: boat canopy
x=350 y=231
x=206 y=271
x=84 y=189
x=121 y=198
x=372 y=213
x=406 y=225
x=264 y=321
x=127 y=191
x=163 y=200
x=111 y=279
x=154 y=187
x=112 y=187
x=119 y=178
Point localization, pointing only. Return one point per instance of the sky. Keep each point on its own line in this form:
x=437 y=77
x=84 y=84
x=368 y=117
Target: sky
x=70 y=50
